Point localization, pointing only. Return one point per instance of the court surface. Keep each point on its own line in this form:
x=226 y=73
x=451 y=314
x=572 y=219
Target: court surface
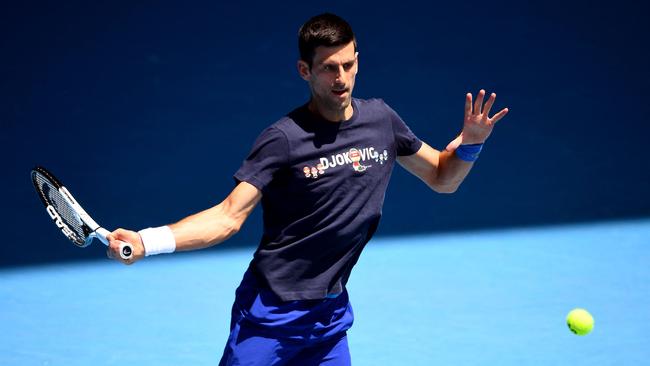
x=497 y=297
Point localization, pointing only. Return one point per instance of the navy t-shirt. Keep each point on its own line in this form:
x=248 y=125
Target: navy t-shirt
x=323 y=185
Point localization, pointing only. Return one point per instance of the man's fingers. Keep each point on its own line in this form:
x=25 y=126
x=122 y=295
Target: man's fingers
x=488 y=105
x=498 y=116
x=478 y=102
x=117 y=239
x=120 y=234
x=113 y=252
x=468 y=104
x=113 y=249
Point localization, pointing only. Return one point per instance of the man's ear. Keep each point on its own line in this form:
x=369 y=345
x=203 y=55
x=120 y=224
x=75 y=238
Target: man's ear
x=356 y=56
x=303 y=70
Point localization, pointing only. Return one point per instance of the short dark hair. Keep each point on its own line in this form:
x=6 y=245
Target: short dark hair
x=327 y=30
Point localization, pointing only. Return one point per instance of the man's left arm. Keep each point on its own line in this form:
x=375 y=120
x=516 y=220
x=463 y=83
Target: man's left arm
x=445 y=171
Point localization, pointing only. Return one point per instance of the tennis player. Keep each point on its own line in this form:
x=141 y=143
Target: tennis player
x=321 y=173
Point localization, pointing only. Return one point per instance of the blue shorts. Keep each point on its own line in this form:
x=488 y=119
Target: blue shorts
x=265 y=330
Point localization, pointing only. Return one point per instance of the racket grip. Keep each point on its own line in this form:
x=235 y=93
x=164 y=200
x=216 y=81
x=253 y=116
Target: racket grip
x=126 y=250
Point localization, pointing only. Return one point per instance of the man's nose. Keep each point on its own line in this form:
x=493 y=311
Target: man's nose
x=339 y=73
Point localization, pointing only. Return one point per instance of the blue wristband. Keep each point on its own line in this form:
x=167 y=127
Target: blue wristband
x=469 y=152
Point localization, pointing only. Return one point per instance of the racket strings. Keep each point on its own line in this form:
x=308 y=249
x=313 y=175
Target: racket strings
x=54 y=198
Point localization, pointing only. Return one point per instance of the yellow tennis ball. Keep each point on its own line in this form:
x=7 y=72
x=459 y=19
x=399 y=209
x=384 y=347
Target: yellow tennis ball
x=580 y=321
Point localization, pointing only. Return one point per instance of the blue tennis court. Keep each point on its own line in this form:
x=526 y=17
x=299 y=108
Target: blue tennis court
x=475 y=298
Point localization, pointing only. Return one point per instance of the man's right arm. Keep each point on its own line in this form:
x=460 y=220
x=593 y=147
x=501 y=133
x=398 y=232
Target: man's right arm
x=201 y=230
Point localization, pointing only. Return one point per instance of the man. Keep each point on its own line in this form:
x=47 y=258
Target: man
x=321 y=173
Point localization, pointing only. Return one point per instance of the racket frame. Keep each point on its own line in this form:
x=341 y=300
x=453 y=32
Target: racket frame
x=81 y=214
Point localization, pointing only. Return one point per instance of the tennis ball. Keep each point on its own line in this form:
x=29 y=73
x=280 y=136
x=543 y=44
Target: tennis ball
x=580 y=321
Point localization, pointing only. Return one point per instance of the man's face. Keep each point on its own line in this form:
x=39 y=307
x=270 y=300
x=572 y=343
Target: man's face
x=331 y=77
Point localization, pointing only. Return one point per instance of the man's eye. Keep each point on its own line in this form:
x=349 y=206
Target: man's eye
x=348 y=66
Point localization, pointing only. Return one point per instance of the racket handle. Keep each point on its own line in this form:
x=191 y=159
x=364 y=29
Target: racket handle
x=126 y=249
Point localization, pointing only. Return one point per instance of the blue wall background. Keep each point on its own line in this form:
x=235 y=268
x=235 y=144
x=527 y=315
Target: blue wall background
x=145 y=110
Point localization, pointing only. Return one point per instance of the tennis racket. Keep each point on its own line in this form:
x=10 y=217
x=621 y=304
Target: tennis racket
x=68 y=215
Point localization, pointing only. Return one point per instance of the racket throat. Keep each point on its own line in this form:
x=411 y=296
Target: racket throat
x=101 y=234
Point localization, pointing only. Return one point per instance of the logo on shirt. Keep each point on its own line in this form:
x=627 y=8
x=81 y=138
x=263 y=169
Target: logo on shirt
x=357 y=158
x=313 y=172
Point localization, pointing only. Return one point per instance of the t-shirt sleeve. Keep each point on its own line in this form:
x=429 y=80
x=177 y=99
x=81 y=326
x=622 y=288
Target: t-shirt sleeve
x=269 y=154
x=406 y=143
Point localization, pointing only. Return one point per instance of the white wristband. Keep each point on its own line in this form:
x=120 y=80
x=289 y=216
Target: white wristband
x=157 y=240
